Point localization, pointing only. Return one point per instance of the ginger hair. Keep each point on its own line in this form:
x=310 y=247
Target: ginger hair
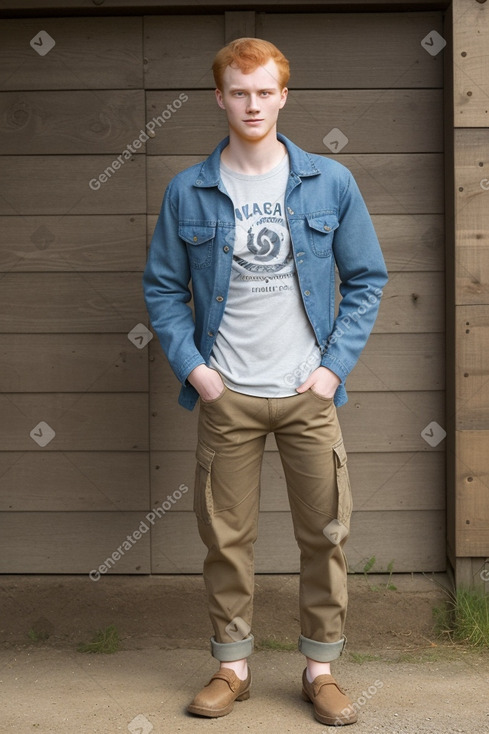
x=247 y=54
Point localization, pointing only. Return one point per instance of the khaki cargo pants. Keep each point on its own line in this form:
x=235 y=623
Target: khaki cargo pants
x=231 y=439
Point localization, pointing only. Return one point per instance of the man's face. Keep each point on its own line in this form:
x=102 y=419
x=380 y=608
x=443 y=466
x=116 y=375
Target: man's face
x=252 y=101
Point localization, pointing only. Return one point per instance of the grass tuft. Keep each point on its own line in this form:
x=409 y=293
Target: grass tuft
x=464 y=618
x=360 y=657
x=271 y=643
x=105 y=641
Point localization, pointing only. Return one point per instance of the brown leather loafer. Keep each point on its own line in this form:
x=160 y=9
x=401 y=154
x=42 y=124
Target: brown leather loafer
x=331 y=705
x=218 y=696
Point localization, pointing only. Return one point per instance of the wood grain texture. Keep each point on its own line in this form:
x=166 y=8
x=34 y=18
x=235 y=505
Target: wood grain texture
x=80 y=421
x=239 y=24
x=39 y=123
x=71 y=542
x=89 y=53
x=74 y=481
x=374 y=121
x=472 y=216
x=71 y=302
x=71 y=363
x=171 y=426
x=390 y=184
x=47 y=185
x=471 y=64
x=180 y=49
x=389 y=481
x=468 y=572
x=471 y=378
x=391 y=421
x=191 y=4
x=407 y=539
x=401 y=362
x=469 y=505
x=412 y=303
x=355 y=50
x=108 y=243
x=411 y=242
x=472 y=497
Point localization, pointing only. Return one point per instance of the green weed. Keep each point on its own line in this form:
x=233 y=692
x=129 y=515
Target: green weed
x=464 y=618
x=105 y=641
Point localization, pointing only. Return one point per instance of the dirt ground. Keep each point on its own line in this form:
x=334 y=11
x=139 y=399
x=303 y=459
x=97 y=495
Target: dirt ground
x=404 y=677
x=170 y=611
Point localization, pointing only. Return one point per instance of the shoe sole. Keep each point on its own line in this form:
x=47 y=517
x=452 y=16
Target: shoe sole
x=336 y=721
x=215 y=713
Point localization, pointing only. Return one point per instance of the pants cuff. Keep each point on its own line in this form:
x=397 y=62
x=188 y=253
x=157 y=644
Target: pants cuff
x=226 y=652
x=323 y=652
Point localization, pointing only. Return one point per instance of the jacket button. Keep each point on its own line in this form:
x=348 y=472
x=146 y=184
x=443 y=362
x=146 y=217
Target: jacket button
x=225 y=248
x=210 y=333
x=220 y=299
x=328 y=229
x=195 y=239
x=291 y=211
x=307 y=293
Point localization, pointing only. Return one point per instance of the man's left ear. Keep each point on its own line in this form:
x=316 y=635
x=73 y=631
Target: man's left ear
x=283 y=100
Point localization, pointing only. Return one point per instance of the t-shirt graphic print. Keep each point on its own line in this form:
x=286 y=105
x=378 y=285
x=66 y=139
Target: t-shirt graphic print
x=265 y=345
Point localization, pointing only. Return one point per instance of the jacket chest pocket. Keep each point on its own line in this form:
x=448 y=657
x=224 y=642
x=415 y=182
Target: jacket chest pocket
x=200 y=242
x=320 y=229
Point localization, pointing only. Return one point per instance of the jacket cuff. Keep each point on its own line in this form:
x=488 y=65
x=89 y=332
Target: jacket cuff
x=188 y=366
x=335 y=366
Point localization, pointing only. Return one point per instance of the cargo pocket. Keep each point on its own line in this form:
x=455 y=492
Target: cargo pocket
x=203 y=502
x=345 y=501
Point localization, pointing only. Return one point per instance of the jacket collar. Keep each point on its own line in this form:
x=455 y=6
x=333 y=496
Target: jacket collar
x=301 y=163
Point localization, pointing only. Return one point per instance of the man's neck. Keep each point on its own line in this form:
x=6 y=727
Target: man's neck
x=253 y=158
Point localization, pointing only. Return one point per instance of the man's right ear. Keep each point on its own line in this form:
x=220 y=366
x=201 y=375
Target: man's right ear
x=218 y=94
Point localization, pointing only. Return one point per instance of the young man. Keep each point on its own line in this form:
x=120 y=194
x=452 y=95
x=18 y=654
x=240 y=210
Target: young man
x=258 y=228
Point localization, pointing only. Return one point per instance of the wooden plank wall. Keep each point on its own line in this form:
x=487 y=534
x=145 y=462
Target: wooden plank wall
x=470 y=293
x=72 y=255
x=71 y=258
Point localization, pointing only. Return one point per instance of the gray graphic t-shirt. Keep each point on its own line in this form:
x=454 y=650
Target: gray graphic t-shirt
x=265 y=345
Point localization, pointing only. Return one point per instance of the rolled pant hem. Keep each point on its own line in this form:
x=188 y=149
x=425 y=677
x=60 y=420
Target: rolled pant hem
x=226 y=652
x=323 y=652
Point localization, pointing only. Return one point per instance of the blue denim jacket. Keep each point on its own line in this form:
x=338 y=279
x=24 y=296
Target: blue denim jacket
x=193 y=241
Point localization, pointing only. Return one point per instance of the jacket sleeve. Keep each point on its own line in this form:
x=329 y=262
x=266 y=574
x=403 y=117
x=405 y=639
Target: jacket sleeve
x=167 y=294
x=363 y=274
